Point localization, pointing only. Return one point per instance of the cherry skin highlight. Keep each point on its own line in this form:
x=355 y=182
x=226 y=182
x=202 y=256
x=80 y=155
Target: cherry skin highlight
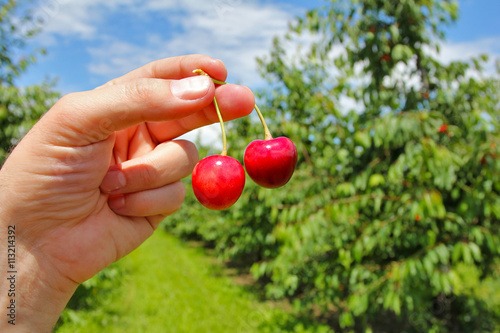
x=271 y=163
x=218 y=181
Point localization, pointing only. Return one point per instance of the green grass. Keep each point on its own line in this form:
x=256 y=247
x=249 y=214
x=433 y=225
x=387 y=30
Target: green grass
x=167 y=286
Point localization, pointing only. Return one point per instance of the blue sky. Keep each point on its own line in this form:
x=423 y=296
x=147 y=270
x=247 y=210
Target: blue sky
x=91 y=41
x=479 y=19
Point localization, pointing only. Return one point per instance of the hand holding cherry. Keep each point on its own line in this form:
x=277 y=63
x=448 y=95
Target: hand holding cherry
x=218 y=180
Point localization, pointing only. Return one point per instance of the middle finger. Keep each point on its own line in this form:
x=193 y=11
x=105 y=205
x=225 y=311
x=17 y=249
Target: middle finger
x=167 y=163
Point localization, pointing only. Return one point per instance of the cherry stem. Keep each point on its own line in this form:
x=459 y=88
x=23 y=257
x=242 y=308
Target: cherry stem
x=202 y=72
x=224 y=140
x=267 y=133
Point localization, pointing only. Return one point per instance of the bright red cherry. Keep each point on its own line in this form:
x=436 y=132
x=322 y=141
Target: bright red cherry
x=218 y=181
x=271 y=163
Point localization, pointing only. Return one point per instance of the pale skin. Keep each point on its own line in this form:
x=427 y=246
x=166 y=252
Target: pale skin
x=97 y=174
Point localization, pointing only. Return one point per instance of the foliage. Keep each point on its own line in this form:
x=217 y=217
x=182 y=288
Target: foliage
x=396 y=197
x=17 y=25
x=20 y=107
x=91 y=295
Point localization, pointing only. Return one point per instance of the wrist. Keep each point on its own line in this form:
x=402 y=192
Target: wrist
x=32 y=295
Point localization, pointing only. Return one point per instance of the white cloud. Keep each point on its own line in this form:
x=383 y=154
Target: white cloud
x=120 y=57
x=231 y=30
x=462 y=51
x=64 y=17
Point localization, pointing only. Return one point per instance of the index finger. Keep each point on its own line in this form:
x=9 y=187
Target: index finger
x=175 y=68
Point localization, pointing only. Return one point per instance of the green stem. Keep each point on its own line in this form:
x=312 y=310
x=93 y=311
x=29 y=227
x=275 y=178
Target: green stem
x=202 y=72
x=224 y=141
x=218 y=82
x=267 y=133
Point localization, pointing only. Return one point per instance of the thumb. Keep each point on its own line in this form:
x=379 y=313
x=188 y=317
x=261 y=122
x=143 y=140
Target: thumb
x=91 y=116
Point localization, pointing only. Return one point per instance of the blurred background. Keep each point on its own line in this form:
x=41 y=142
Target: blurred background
x=391 y=221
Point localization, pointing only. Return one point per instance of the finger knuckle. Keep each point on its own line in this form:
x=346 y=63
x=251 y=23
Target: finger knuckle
x=70 y=101
x=149 y=175
x=141 y=91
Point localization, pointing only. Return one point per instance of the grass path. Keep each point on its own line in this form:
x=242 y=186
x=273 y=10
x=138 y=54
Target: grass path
x=171 y=287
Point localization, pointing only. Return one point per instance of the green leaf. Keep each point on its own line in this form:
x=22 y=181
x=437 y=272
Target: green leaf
x=376 y=180
x=346 y=320
x=428 y=265
x=475 y=251
x=443 y=254
x=389 y=297
x=394 y=31
x=457 y=252
x=363 y=139
x=401 y=52
x=467 y=255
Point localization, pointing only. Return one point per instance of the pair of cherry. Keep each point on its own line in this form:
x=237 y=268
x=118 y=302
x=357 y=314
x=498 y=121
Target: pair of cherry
x=218 y=180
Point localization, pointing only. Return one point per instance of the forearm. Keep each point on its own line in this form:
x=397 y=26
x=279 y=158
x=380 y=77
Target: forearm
x=32 y=296
x=30 y=302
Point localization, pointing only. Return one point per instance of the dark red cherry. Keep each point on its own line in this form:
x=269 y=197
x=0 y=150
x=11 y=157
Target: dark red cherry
x=271 y=163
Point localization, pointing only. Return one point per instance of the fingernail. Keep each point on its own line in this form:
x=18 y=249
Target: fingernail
x=191 y=88
x=116 y=202
x=113 y=181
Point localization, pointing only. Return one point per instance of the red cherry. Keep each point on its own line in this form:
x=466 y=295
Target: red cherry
x=385 y=57
x=218 y=181
x=271 y=163
x=443 y=128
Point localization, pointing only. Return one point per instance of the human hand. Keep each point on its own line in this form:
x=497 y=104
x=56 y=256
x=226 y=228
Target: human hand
x=95 y=176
